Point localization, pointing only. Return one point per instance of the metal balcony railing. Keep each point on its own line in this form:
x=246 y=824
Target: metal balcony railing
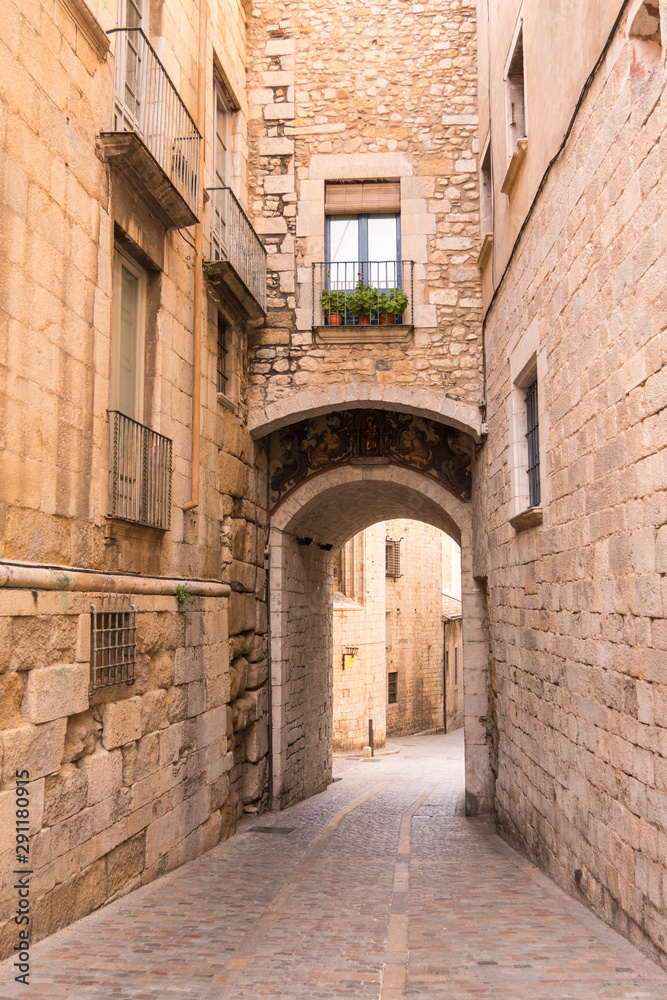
x=363 y=293
x=234 y=239
x=139 y=473
x=147 y=103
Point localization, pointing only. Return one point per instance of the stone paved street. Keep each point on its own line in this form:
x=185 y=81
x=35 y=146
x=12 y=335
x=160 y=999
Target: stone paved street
x=377 y=888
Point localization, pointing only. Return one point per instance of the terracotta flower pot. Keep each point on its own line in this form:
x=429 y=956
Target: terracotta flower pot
x=364 y=321
x=386 y=319
x=334 y=319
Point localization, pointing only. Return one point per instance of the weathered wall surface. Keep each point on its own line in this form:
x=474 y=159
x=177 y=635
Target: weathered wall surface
x=126 y=783
x=352 y=91
x=577 y=605
x=360 y=690
x=144 y=777
x=414 y=608
x=301 y=668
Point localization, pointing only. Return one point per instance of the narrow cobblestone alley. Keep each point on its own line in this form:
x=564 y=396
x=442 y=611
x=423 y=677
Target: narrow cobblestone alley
x=377 y=888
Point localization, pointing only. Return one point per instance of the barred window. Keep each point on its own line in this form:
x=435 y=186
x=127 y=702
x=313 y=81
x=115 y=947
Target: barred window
x=223 y=351
x=533 y=442
x=113 y=645
x=392 y=687
x=392 y=557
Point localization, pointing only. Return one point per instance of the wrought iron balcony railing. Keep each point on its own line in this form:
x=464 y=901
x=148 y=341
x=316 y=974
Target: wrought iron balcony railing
x=139 y=473
x=147 y=103
x=234 y=239
x=363 y=293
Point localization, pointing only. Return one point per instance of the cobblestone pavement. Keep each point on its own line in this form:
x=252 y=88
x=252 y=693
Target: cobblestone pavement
x=381 y=889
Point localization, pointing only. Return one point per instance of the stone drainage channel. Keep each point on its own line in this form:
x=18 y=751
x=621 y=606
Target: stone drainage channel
x=377 y=888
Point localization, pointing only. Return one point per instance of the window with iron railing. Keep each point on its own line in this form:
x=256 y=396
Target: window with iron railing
x=147 y=104
x=139 y=473
x=113 y=641
x=233 y=239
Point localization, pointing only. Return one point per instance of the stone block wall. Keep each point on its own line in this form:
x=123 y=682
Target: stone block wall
x=140 y=779
x=414 y=609
x=301 y=658
x=128 y=781
x=577 y=604
x=360 y=690
x=362 y=92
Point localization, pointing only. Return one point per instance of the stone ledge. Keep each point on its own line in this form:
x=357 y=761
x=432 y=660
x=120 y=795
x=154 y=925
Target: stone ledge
x=226 y=401
x=530 y=518
x=514 y=168
x=389 y=334
x=485 y=250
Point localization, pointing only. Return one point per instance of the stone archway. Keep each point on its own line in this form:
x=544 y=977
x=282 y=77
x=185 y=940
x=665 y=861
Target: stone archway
x=308 y=526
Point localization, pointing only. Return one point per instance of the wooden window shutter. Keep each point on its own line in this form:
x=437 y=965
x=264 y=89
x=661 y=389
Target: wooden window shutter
x=364 y=197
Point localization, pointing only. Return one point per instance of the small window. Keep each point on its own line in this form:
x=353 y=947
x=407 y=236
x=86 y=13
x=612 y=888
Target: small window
x=113 y=642
x=219 y=197
x=223 y=359
x=516 y=96
x=392 y=687
x=486 y=194
x=533 y=445
x=456 y=666
x=446 y=663
x=129 y=327
x=393 y=558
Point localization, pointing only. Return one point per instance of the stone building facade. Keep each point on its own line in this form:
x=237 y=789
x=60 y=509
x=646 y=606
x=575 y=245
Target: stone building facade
x=574 y=303
x=390 y=632
x=518 y=152
x=108 y=502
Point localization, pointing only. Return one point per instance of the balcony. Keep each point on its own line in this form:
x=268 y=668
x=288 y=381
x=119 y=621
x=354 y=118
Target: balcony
x=153 y=140
x=368 y=301
x=236 y=262
x=139 y=473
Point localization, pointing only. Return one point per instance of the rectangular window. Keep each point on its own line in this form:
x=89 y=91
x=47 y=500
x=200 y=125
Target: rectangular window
x=516 y=98
x=129 y=328
x=392 y=558
x=533 y=444
x=363 y=243
x=456 y=666
x=486 y=193
x=392 y=687
x=113 y=642
x=446 y=663
x=221 y=172
x=223 y=351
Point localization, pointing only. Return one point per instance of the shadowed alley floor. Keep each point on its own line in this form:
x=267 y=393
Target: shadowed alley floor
x=377 y=888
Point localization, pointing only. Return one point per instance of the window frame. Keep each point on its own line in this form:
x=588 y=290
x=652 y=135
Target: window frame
x=122 y=259
x=392 y=687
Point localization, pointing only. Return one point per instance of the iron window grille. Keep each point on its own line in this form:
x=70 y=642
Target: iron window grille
x=393 y=557
x=533 y=442
x=139 y=473
x=392 y=687
x=113 y=641
x=223 y=351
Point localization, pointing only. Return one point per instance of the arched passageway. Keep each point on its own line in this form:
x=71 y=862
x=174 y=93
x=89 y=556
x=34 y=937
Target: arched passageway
x=307 y=527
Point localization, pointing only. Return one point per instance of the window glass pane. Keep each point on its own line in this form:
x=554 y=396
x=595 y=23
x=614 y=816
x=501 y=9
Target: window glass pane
x=343 y=251
x=382 y=247
x=129 y=333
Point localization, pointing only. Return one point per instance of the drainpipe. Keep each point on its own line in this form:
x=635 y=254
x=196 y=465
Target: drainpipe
x=199 y=272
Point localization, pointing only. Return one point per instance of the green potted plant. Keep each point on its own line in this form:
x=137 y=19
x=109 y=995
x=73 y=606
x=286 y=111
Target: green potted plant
x=391 y=304
x=333 y=307
x=362 y=302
